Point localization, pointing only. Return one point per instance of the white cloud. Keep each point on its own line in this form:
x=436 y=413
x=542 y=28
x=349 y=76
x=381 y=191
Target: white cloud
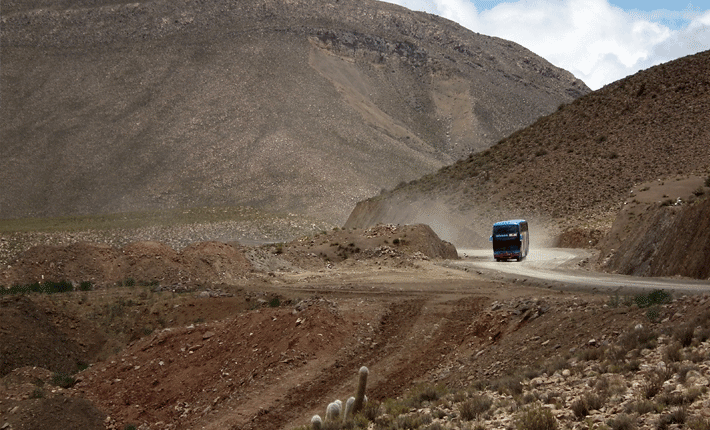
x=597 y=42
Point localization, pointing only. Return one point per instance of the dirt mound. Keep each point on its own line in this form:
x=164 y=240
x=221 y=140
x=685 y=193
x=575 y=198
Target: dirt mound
x=386 y=243
x=145 y=262
x=56 y=413
x=76 y=262
x=29 y=336
x=178 y=376
x=580 y=238
x=151 y=261
x=33 y=398
x=215 y=262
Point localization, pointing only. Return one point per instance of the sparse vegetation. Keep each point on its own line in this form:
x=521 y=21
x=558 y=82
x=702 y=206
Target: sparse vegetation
x=477 y=405
x=536 y=417
x=63 y=380
x=622 y=422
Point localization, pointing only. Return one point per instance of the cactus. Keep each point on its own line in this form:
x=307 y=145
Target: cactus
x=316 y=422
x=332 y=413
x=348 y=409
x=360 y=396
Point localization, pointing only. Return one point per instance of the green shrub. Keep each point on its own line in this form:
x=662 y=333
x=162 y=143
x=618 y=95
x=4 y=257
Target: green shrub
x=275 y=302
x=653 y=314
x=85 y=286
x=655 y=297
x=47 y=287
x=707 y=181
x=536 y=418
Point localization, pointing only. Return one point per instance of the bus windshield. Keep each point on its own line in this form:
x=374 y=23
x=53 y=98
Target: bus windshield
x=501 y=231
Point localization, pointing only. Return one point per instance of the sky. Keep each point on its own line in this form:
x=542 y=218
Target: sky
x=599 y=41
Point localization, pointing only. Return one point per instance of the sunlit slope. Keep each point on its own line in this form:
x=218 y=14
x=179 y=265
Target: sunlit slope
x=303 y=106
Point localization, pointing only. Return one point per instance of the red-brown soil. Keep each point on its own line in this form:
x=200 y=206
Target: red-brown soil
x=272 y=349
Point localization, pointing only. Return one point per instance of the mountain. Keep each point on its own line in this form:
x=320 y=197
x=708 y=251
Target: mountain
x=288 y=106
x=572 y=171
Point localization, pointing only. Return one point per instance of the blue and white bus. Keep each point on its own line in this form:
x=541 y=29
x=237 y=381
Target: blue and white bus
x=510 y=239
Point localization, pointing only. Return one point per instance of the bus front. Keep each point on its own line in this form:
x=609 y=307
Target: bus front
x=506 y=241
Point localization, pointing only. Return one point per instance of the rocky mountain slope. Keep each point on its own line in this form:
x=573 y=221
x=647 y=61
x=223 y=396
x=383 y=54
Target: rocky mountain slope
x=303 y=106
x=574 y=168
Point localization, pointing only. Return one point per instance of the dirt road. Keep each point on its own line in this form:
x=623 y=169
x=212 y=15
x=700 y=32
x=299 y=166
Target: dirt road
x=565 y=269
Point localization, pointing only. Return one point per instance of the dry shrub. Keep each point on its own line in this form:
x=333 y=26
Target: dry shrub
x=683 y=372
x=653 y=385
x=684 y=335
x=370 y=410
x=699 y=423
x=475 y=406
x=580 y=409
x=672 y=353
x=591 y=354
x=594 y=401
x=622 y=422
x=676 y=416
x=641 y=407
x=459 y=396
x=511 y=385
x=426 y=393
x=536 y=418
x=638 y=338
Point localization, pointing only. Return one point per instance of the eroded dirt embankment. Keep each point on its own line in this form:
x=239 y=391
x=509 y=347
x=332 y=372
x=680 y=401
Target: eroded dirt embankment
x=665 y=241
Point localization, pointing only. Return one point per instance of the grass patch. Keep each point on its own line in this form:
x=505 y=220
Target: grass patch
x=130 y=220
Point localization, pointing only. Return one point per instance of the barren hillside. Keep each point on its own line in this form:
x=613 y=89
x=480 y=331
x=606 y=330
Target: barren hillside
x=575 y=167
x=305 y=106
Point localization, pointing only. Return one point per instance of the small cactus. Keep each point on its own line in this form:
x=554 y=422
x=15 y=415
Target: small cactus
x=316 y=422
x=332 y=413
x=348 y=409
x=361 y=385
